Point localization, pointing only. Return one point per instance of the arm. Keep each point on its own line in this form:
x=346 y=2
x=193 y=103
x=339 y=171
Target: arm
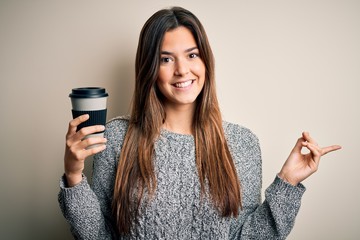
x=81 y=205
x=82 y=209
x=275 y=217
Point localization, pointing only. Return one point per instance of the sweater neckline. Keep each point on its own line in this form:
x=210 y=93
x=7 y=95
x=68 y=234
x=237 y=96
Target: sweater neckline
x=178 y=136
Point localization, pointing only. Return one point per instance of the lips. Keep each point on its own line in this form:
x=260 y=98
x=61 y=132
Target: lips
x=183 y=84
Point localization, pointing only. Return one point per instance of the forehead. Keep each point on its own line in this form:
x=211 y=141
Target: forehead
x=178 y=37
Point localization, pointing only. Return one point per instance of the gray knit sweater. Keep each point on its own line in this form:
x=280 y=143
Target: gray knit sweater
x=176 y=211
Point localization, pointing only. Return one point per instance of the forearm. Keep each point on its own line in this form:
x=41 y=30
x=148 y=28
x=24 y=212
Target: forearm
x=81 y=208
x=275 y=217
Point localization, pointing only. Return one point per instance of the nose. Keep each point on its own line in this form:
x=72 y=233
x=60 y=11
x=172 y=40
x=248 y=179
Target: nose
x=182 y=67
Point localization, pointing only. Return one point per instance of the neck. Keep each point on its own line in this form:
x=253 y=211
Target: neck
x=179 y=119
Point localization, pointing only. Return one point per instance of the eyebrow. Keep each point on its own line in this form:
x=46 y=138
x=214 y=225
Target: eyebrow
x=187 y=50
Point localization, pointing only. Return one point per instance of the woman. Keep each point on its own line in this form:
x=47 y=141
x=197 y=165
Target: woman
x=174 y=169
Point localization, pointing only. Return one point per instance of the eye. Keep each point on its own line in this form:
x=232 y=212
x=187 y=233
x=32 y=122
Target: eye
x=165 y=59
x=193 y=55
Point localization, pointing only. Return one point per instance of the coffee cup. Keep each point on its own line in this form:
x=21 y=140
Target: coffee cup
x=91 y=101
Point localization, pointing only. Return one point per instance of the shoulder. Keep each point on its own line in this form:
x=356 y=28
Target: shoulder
x=238 y=135
x=116 y=128
x=245 y=150
x=119 y=122
x=243 y=144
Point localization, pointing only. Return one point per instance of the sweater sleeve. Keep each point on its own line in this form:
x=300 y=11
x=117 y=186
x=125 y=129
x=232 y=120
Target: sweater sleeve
x=81 y=208
x=88 y=208
x=275 y=216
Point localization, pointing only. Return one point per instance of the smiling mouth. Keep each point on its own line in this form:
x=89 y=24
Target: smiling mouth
x=183 y=84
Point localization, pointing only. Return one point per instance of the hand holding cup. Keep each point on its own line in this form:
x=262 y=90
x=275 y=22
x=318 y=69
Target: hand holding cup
x=77 y=148
x=85 y=136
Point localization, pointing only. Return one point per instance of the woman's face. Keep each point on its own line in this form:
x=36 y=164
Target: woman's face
x=182 y=72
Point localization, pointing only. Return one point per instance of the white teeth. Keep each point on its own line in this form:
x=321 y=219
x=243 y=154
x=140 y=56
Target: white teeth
x=183 y=84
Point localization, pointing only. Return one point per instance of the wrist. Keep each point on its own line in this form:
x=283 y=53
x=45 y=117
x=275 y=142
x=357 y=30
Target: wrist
x=73 y=179
x=285 y=178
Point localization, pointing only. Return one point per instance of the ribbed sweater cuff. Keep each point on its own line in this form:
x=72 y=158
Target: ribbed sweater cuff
x=282 y=188
x=75 y=191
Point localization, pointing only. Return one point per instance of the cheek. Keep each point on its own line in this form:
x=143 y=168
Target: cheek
x=164 y=75
x=199 y=69
x=162 y=81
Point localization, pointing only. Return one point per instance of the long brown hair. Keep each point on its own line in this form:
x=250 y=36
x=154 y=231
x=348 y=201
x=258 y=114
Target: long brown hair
x=135 y=170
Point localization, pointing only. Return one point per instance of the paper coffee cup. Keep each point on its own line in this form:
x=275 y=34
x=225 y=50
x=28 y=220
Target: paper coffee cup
x=92 y=101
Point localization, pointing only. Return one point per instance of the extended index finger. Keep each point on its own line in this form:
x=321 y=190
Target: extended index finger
x=76 y=122
x=332 y=148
